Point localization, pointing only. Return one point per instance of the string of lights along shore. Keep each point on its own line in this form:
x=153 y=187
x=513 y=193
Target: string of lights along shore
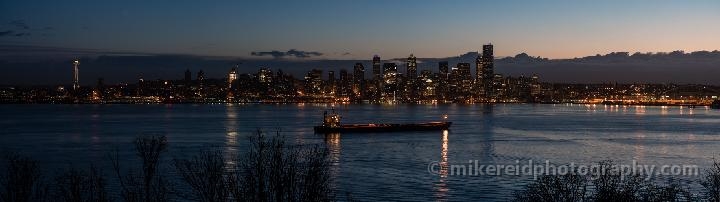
x=386 y=84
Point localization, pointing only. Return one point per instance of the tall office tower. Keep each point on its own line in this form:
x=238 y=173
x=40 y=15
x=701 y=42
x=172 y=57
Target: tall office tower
x=232 y=76
x=426 y=85
x=201 y=76
x=313 y=83
x=265 y=76
x=76 y=76
x=344 y=83
x=478 y=68
x=411 y=67
x=390 y=81
x=331 y=87
x=188 y=76
x=201 y=83
x=410 y=89
x=478 y=86
x=377 y=79
x=444 y=69
x=443 y=79
x=464 y=79
x=464 y=71
x=377 y=72
x=487 y=69
x=358 y=83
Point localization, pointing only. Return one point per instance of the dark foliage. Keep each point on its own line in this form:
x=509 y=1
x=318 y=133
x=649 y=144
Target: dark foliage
x=568 y=187
x=274 y=171
x=80 y=186
x=21 y=180
x=608 y=186
x=711 y=182
x=147 y=186
x=206 y=176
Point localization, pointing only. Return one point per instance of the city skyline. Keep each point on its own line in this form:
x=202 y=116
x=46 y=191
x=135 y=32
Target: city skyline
x=385 y=84
x=354 y=30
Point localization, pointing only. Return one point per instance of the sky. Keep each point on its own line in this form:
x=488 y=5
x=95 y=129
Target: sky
x=358 y=29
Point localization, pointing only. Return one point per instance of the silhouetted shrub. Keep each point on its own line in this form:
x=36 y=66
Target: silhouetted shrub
x=608 y=186
x=78 y=185
x=273 y=171
x=21 y=180
x=570 y=187
x=711 y=182
x=147 y=186
x=206 y=176
x=671 y=192
x=615 y=186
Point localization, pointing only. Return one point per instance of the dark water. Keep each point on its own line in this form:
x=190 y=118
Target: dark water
x=381 y=166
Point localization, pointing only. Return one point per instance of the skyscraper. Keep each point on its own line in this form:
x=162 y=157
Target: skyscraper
x=443 y=79
x=344 y=84
x=444 y=66
x=331 y=83
x=358 y=83
x=76 y=76
x=232 y=76
x=410 y=89
x=487 y=69
x=377 y=79
x=464 y=79
x=478 y=68
x=390 y=81
x=377 y=72
x=313 y=83
x=411 y=67
x=390 y=72
x=188 y=76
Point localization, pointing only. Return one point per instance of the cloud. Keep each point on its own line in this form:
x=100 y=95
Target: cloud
x=289 y=53
x=19 y=24
x=346 y=53
x=13 y=33
x=6 y=33
x=18 y=28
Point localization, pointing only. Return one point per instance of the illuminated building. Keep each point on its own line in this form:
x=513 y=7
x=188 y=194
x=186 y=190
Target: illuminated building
x=265 y=75
x=232 y=77
x=411 y=67
x=313 y=83
x=390 y=75
x=376 y=67
x=331 y=87
x=201 y=76
x=535 y=87
x=427 y=85
x=343 y=88
x=358 y=83
x=377 y=86
x=443 y=80
x=488 y=74
x=76 y=76
x=410 y=90
x=463 y=80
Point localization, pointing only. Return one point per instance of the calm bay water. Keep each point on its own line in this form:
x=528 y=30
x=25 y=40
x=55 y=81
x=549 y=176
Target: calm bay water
x=381 y=166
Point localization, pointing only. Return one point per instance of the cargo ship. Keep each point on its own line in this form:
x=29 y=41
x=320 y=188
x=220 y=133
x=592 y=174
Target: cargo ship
x=331 y=124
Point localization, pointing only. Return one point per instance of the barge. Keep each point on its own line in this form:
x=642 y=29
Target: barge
x=331 y=124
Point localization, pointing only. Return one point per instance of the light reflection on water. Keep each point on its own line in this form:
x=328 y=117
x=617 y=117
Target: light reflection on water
x=441 y=186
x=381 y=166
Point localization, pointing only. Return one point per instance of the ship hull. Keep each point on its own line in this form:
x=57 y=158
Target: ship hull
x=383 y=128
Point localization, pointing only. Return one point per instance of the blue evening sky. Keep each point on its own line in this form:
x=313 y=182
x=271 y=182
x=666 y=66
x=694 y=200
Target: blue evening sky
x=394 y=28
